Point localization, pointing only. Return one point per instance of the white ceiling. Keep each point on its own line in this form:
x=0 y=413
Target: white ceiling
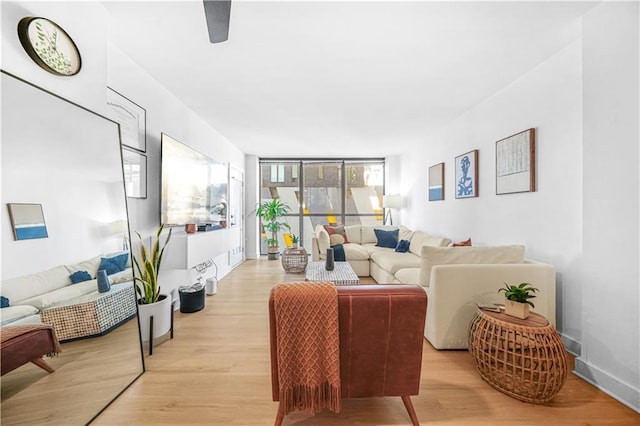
x=336 y=78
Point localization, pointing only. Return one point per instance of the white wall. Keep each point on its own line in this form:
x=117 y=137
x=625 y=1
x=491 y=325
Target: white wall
x=252 y=197
x=548 y=221
x=584 y=217
x=610 y=279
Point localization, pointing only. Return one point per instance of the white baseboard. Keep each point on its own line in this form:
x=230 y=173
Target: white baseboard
x=608 y=384
x=573 y=346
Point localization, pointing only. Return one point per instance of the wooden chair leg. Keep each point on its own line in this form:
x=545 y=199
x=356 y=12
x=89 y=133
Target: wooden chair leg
x=279 y=416
x=43 y=364
x=409 y=406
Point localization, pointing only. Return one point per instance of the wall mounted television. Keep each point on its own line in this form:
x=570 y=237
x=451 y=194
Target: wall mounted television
x=194 y=186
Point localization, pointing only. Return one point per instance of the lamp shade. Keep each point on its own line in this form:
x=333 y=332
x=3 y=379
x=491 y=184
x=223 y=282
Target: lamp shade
x=393 y=201
x=118 y=227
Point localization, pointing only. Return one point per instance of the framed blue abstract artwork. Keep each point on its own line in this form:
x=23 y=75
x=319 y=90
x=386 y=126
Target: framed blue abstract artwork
x=27 y=221
x=436 y=182
x=467 y=175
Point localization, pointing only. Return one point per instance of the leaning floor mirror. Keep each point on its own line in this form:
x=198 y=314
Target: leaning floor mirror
x=63 y=188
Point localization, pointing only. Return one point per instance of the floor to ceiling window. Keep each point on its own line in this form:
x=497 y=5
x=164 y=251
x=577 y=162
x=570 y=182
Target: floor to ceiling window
x=323 y=191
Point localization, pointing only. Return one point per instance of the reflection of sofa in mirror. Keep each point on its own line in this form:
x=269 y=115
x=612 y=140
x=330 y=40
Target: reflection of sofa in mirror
x=67 y=297
x=29 y=295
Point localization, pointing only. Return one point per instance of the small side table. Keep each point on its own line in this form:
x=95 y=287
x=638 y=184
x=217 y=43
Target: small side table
x=524 y=359
x=295 y=259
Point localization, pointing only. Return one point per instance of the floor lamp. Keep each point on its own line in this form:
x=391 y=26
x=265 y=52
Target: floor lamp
x=390 y=202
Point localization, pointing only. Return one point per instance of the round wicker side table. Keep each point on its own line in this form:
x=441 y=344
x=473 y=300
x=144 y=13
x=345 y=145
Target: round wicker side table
x=524 y=359
x=295 y=260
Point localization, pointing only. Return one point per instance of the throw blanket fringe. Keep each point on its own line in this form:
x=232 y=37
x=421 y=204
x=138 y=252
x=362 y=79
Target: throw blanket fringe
x=308 y=346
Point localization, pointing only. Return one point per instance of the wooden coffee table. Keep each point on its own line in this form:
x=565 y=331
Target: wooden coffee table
x=524 y=359
x=342 y=274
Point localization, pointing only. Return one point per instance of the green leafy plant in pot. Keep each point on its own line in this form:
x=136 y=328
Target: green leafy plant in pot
x=517 y=299
x=148 y=268
x=271 y=212
x=150 y=301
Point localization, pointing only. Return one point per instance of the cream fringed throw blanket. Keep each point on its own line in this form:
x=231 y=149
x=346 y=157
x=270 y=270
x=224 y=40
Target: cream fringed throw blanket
x=308 y=346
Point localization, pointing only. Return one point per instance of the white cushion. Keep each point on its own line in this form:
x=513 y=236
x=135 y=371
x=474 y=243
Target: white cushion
x=89 y=265
x=408 y=276
x=60 y=295
x=14 y=313
x=405 y=233
x=420 y=239
x=432 y=256
x=27 y=286
x=323 y=240
x=122 y=276
x=355 y=252
x=353 y=233
x=391 y=261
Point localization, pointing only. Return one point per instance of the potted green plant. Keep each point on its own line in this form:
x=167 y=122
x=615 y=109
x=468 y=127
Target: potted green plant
x=150 y=301
x=517 y=299
x=270 y=212
x=294 y=241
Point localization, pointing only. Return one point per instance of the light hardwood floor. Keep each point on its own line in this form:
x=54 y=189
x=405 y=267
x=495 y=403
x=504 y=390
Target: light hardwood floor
x=216 y=372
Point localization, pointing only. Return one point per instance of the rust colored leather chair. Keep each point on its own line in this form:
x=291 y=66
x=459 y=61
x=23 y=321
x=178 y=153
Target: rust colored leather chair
x=27 y=343
x=381 y=338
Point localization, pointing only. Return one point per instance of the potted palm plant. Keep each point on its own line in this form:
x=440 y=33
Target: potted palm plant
x=517 y=299
x=270 y=213
x=150 y=301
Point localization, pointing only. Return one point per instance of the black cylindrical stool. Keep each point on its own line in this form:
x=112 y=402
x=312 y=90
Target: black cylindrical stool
x=191 y=301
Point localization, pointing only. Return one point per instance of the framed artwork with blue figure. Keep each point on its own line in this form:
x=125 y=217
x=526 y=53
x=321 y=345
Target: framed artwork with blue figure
x=436 y=182
x=467 y=175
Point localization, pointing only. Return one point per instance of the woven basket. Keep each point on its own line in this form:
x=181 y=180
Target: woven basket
x=295 y=260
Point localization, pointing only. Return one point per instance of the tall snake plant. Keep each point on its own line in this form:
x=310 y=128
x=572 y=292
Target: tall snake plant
x=148 y=289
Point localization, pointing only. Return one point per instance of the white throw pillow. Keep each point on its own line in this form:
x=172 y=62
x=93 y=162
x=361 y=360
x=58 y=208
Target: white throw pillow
x=432 y=256
x=323 y=240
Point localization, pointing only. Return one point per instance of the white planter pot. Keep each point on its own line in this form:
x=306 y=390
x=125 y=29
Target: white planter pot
x=161 y=312
x=516 y=309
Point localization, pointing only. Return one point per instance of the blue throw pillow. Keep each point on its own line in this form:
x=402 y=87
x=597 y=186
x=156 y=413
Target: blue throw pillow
x=403 y=246
x=114 y=264
x=80 y=276
x=387 y=239
x=4 y=302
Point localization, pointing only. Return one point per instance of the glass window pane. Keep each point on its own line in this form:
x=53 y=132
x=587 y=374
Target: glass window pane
x=364 y=190
x=323 y=190
x=322 y=195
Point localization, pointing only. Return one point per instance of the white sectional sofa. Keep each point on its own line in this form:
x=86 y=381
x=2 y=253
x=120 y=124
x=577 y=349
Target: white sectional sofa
x=30 y=294
x=367 y=259
x=455 y=278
